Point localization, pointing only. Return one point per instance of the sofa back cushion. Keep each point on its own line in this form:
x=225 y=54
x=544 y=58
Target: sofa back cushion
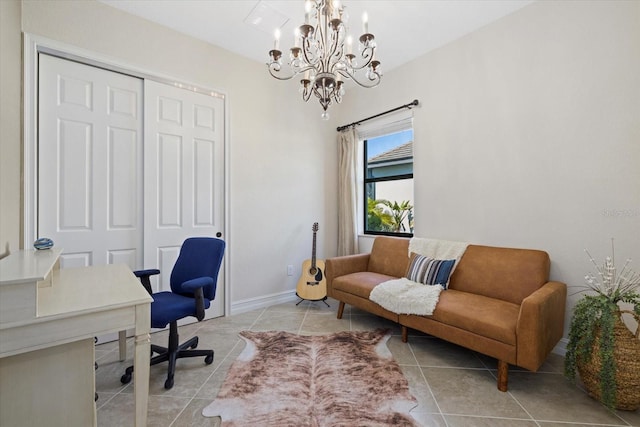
x=390 y=256
x=504 y=273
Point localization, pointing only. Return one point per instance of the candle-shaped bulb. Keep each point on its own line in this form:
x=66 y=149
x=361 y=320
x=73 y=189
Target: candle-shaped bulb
x=296 y=37
x=349 y=44
x=276 y=43
x=365 y=22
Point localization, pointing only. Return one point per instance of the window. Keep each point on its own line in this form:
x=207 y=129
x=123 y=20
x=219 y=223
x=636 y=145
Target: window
x=388 y=184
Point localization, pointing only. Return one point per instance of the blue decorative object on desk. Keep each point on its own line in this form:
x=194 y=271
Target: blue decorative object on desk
x=43 y=243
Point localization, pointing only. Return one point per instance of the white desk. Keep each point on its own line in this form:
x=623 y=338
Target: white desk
x=48 y=318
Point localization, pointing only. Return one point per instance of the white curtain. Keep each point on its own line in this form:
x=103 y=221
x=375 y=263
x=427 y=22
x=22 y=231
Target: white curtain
x=347 y=192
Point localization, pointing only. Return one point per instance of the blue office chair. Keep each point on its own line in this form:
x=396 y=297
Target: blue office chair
x=193 y=286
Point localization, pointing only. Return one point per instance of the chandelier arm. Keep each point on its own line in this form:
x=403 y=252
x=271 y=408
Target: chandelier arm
x=294 y=72
x=373 y=80
x=337 y=51
x=306 y=51
x=273 y=70
x=367 y=57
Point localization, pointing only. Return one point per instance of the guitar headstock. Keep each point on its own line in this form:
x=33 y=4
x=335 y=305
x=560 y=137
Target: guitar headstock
x=315 y=227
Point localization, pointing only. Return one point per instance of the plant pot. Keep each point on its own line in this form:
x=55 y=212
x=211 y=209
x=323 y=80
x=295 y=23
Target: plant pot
x=627 y=361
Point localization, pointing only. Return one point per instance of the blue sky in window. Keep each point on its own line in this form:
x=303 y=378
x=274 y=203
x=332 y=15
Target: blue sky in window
x=381 y=144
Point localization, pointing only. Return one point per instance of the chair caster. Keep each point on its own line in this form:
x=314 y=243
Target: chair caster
x=195 y=343
x=208 y=360
x=126 y=378
x=168 y=383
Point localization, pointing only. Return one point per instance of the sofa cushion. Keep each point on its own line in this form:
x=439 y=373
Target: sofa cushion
x=487 y=317
x=361 y=283
x=507 y=274
x=389 y=256
x=429 y=271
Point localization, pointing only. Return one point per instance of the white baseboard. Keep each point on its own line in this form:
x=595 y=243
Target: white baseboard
x=561 y=347
x=243 y=306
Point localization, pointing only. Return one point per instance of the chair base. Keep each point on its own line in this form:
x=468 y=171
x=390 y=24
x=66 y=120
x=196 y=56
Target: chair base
x=172 y=353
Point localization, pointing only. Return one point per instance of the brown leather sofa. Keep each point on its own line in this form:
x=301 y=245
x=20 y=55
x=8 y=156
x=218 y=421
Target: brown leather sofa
x=499 y=301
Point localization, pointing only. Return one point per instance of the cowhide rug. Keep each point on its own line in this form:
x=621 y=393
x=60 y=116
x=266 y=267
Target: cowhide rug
x=341 y=379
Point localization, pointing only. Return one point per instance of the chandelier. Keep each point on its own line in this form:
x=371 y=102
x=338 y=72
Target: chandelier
x=323 y=55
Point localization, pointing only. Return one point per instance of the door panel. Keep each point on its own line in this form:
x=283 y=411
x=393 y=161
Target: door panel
x=184 y=176
x=89 y=163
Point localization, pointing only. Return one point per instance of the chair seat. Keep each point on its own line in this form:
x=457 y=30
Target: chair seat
x=168 y=307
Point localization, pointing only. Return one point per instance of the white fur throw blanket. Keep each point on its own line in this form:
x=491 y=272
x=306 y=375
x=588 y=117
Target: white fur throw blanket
x=437 y=249
x=403 y=296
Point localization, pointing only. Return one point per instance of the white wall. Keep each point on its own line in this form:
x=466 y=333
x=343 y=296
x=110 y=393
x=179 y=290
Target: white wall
x=10 y=131
x=280 y=150
x=528 y=133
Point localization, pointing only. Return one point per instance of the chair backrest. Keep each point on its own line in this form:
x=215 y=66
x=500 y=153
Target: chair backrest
x=199 y=257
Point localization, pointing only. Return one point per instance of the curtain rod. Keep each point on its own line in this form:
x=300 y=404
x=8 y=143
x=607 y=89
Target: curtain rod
x=409 y=105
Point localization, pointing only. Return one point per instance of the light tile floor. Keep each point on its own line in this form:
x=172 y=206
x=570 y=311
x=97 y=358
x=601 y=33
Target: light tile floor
x=455 y=387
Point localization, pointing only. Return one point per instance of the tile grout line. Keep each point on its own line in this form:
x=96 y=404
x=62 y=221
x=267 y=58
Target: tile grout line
x=495 y=377
x=428 y=385
x=114 y=394
x=306 y=312
x=238 y=341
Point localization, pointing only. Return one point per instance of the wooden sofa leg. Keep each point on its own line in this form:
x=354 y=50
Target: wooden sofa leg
x=503 y=375
x=405 y=334
x=340 y=310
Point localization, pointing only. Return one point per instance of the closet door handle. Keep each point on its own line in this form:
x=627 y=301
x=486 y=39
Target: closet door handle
x=218 y=234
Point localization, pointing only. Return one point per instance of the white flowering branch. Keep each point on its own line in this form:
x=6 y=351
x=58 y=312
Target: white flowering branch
x=615 y=286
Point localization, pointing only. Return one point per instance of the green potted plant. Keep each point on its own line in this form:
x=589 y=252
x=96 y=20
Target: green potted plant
x=602 y=349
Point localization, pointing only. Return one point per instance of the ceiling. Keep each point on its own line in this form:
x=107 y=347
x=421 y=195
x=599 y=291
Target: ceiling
x=404 y=29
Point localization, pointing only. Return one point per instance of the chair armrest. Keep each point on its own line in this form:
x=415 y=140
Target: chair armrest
x=144 y=275
x=343 y=265
x=149 y=272
x=195 y=286
x=540 y=324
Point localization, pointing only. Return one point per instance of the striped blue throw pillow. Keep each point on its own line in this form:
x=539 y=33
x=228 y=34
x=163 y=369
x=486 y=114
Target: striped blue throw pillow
x=430 y=271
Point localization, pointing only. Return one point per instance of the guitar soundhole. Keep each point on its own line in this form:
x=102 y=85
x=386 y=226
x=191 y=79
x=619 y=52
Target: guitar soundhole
x=313 y=271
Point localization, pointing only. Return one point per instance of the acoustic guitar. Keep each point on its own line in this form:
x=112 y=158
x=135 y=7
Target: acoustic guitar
x=312 y=284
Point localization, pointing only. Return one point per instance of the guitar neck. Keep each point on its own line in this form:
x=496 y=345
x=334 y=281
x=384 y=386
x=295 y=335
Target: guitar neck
x=313 y=251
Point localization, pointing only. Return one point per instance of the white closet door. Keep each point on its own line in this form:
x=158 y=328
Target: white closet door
x=183 y=176
x=89 y=163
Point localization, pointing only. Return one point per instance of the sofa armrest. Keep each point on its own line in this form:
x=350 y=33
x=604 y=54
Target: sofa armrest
x=540 y=324
x=340 y=266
